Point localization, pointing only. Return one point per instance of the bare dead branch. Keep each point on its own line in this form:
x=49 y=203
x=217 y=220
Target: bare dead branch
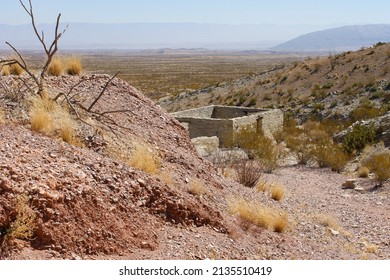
x=50 y=51
x=102 y=92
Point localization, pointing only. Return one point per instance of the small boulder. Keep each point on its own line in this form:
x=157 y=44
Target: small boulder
x=350 y=184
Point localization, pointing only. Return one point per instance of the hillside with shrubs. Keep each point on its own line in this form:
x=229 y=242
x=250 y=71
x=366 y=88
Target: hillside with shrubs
x=90 y=168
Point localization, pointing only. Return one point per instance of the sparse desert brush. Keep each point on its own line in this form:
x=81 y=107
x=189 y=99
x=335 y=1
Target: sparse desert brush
x=258 y=147
x=258 y=214
x=55 y=68
x=197 y=188
x=248 y=172
x=277 y=192
x=145 y=158
x=330 y=155
x=327 y=220
x=360 y=136
x=363 y=172
x=24 y=225
x=74 y=66
x=379 y=164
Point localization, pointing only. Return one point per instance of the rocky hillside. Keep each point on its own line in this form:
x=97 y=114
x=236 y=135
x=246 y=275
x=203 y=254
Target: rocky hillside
x=93 y=200
x=332 y=86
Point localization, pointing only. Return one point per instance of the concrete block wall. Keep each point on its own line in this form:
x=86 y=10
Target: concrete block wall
x=203 y=112
x=272 y=121
x=223 y=121
x=223 y=129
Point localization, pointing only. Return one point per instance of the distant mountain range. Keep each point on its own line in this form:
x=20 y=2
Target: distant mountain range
x=344 y=38
x=158 y=35
x=194 y=35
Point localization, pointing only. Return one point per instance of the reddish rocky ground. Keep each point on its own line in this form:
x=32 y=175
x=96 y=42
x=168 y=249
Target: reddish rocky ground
x=90 y=206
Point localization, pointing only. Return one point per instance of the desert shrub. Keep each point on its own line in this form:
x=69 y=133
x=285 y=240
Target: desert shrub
x=258 y=215
x=74 y=66
x=145 y=158
x=329 y=154
x=366 y=111
x=23 y=226
x=258 y=147
x=299 y=144
x=55 y=68
x=379 y=164
x=360 y=136
x=248 y=172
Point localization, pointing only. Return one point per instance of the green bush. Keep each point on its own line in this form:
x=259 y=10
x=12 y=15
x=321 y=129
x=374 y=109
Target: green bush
x=358 y=138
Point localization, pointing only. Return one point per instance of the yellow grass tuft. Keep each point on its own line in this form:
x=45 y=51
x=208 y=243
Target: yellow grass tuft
x=15 y=69
x=328 y=220
x=197 y=188
x=74 y=66
x=262 y=186
x=5 y=71
x=259 y=215
x=277 y=192
x=363 y=172
x=55 y=68
x=40 y=115
x=145 y=158
x=47 y=117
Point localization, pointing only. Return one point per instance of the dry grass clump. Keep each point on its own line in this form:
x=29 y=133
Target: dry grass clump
x=5 y=71
x=371 y=248
x=258 y=215
x=55 y=68
x=248 y=172
x=197 y=188
x=277 y=192
x=15 y=69
x=74 y=66
x=328 y=220
x=47 y=117
x=145 y=158
x=363 y=172
x=41 y=114
x=262 y=186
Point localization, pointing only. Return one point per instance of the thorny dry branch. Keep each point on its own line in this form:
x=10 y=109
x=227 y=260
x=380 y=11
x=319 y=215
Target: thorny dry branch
x=50 y=51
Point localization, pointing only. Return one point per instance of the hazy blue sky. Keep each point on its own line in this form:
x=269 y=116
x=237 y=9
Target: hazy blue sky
x=311 y=12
